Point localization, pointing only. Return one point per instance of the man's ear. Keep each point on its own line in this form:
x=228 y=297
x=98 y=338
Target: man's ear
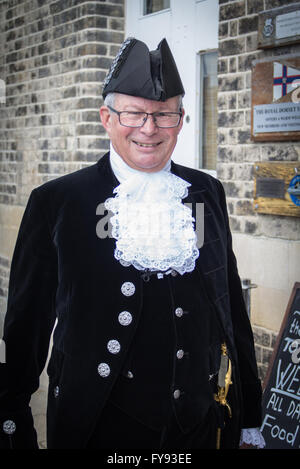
x=181 y=121
x=105 y=117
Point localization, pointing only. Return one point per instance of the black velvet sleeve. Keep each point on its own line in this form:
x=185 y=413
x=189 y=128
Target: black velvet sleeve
x=28 y=324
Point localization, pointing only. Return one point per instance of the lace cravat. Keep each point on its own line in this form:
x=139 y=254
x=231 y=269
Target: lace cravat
x=153 y=229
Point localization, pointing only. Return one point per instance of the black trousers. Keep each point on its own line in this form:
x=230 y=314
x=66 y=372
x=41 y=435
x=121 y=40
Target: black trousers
x=117 y=430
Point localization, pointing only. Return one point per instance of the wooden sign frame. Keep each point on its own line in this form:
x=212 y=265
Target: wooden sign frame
x=262 y=94
x=280 y=396
x=266 y=37
x=276 y=172
x=280 y=333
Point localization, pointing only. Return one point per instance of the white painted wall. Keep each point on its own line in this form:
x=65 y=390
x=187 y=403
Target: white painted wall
x=273 y=265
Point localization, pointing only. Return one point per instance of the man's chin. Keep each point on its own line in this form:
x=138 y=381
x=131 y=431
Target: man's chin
x=150 y=168
x=147 y=163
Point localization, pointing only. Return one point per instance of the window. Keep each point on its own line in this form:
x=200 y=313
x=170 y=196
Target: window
x=208 y=110
x=152 y=6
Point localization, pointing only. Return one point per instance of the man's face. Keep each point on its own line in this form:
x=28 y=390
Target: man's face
x=146 y=148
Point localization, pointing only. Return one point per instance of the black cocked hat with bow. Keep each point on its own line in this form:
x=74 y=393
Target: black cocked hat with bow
x=136 y=71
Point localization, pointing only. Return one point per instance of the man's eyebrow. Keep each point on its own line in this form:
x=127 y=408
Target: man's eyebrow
x=133 y=108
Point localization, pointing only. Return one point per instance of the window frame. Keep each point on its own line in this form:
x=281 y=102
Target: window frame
x=147 y=15
x=200 y=102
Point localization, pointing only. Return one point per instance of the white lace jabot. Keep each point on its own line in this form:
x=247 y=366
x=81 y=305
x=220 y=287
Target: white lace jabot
x=152 y=227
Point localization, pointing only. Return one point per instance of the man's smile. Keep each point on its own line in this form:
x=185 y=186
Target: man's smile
x=146 y=145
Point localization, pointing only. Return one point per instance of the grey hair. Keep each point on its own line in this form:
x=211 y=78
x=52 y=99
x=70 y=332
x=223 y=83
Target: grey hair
x=110 y=100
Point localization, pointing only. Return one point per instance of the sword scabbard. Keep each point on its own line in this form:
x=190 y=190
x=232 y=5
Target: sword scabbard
x=224 y=383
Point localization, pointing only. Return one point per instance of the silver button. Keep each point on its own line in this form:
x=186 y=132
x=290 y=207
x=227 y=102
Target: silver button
x=128 y=288
x=113 y=346
x=56 y=391
x=179 y=312
x=180 y=354
x=125 y=318
x=129 y=374
x=9 y=427
x=174 y=273
x=104 y=370
x=176 y=393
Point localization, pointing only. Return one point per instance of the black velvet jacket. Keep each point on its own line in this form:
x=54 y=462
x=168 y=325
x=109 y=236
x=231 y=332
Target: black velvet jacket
x=62 y=270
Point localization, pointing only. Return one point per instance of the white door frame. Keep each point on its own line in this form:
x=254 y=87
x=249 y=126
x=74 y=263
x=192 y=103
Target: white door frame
x=190 y=26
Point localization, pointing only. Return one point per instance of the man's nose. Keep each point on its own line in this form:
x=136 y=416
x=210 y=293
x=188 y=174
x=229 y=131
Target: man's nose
x=149 y=126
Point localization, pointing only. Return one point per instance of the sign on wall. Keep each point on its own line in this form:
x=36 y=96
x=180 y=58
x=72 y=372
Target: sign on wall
x=277 y=188
x=276 y=99
x=279 y=26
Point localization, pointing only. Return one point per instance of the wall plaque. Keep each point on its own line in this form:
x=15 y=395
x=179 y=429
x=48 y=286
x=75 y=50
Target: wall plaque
x=277 y=188
x=270 y=187
x=280 y=117
x=279 y=26
x=276 y=99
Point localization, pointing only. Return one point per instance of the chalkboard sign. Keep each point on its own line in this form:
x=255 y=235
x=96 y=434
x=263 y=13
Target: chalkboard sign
x=281 y=397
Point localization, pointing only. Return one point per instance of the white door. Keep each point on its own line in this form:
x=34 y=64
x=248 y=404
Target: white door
x=191 y=29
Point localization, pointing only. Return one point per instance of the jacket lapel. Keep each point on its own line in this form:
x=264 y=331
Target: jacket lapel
x=106 y=174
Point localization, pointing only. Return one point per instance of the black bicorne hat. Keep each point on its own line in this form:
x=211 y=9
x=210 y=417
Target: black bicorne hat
x=138 y=72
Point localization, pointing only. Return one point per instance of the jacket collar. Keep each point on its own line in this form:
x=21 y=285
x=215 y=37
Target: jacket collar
x=105 y=169
x=194 y=188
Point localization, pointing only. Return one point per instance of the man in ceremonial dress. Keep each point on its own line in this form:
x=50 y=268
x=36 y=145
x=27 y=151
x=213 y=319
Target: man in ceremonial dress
x=152 y=345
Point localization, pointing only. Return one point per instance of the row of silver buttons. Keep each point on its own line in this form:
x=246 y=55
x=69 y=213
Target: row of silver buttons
x=124 y=318
x=113 y=345
x=180 y=353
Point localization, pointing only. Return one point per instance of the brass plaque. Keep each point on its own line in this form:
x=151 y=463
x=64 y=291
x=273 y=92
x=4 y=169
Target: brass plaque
x=277 y=188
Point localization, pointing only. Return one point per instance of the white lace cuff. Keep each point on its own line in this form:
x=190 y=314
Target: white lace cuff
x=252 y=436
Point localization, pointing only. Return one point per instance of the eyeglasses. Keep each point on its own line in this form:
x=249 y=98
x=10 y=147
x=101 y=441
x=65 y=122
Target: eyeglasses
x=164 y=120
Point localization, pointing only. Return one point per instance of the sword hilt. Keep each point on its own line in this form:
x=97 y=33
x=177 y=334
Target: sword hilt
x=224 y=379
